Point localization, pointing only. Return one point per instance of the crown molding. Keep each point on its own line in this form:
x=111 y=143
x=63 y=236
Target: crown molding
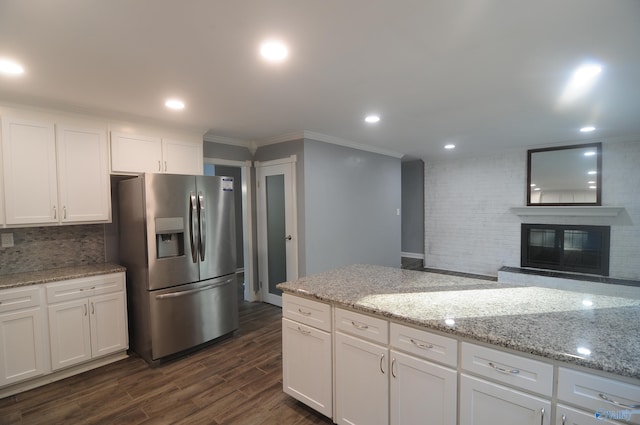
x=227 y=140
x=298 y=135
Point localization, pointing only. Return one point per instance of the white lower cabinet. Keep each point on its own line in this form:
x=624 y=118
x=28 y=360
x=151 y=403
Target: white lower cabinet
x=21 y=335
x=306 y=365
x=421 y=392
x=362 y=383
x=486 y=403
x=88 y=321
x=568 y=416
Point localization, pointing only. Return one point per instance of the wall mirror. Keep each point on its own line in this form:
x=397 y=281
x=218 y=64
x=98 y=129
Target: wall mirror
x=566 y=175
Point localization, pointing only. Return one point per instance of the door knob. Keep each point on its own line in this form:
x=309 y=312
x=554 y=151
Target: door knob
x=287 y=238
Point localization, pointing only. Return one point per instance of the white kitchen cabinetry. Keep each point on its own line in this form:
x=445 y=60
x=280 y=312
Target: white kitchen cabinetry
x=83 y=174
x=307 y=353
x=362 y=369
x=422 y=391
x=87 y=319
x=29 y=165
x=486 y=403
x=22 y=353
x=131 y=153
x=610 y=398
x=567 y=416
x=52 y=178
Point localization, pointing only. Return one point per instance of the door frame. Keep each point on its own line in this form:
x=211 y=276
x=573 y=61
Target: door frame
x=292 y=254
x=247 y=224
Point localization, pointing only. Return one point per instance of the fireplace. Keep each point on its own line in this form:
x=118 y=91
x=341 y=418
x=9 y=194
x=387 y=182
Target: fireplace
x=573 y=248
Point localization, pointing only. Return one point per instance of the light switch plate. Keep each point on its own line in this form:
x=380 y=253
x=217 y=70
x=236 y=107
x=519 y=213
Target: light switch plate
x=7 y=240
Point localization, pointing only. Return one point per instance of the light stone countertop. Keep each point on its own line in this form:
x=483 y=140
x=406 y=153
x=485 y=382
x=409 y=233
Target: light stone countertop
x=595 y=331
x=54 y=275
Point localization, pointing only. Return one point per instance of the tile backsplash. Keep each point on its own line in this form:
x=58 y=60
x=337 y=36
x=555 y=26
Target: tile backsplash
x=42 y=248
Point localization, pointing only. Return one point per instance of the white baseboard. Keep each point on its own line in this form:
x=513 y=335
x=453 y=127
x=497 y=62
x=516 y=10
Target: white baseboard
x=412 y=255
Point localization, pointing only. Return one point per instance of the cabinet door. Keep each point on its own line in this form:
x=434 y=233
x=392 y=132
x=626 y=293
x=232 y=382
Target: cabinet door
x=482 y=402
x=306 y=365
x=21 y=346
x=69 y=333
x=108 y=324
x=421 y=392
x=568 y=416
x=362 y=387
x=182 y=157
x=83 y=175
x=135 y=154
x=29 y=162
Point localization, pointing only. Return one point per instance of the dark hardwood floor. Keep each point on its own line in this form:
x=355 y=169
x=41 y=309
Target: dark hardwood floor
x=237 y=381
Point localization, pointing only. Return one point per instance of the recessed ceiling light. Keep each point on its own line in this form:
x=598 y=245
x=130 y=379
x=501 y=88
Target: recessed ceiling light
x=274 y=51
x=592 y=172
x=10 y=67
x=372 y=119
x=449 y=146
x=176 y=104
x=587 y=129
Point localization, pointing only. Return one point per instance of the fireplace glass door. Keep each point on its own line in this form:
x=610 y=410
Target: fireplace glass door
x=583 y=249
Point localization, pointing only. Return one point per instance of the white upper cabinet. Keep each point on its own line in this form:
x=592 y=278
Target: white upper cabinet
x=131 y=153
x=54 y=177
x=83 y=175
x=29 y=164
x=182 y=157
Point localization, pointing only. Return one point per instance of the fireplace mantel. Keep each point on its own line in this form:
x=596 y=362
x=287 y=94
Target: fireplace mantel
x=567 y=211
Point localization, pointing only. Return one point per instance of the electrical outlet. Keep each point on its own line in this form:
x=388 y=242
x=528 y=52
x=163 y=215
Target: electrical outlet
x=7 y=240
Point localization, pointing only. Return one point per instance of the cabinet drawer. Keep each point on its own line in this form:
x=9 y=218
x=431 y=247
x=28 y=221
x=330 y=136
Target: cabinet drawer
x=19 y=298
x=363 y=326
x=528 y=374
x=595 y=392
x=424 y=344
x=309 y=312
x=84 y=287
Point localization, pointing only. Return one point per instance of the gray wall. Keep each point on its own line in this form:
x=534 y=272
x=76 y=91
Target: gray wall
x=224 y=151
x=413 y=207
x=351 y=204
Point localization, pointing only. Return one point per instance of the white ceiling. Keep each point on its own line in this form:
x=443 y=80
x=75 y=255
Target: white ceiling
x=483 y=74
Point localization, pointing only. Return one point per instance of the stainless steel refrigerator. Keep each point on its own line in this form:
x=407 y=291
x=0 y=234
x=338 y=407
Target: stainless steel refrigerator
x=177 y=241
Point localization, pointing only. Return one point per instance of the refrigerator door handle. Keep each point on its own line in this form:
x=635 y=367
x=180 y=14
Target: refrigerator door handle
x=193 y=226
x=192 y=291
x=202 y=222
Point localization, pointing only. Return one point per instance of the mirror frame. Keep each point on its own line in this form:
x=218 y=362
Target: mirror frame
x=597 y=146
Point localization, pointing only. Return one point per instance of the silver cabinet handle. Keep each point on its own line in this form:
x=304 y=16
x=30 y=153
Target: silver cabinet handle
x=617 y=403
x=84 y=307
x=393 y=365
x=381 y=360
x=159 y=166
x=506 y=371
x=360 y=326
x=421 y=344
x=165 y=166
x=87 y=289
x=93 y=309
x=564 y=420
x=55 y=213
x=202 y=226
x=64 y=212
x=542 y=416
x=304 y=331
x=304 y=313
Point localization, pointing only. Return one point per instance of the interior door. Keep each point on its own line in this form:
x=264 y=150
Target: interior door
x=277 y=232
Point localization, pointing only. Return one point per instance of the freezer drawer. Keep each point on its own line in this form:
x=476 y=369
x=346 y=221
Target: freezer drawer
x=188 y=315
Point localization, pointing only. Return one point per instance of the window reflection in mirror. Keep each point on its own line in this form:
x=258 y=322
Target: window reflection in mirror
x=567 y=175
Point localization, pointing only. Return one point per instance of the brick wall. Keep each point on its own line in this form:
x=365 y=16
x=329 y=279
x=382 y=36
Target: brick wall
x=469 y=228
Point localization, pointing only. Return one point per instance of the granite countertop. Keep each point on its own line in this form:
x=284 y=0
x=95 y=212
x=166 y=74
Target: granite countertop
x=53 y=275
x=596 y=331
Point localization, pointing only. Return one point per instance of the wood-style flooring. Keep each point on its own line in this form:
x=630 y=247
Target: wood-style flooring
x=237 y=381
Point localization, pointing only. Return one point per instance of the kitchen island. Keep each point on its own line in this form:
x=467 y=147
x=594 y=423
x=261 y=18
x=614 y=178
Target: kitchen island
x=564 y=332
